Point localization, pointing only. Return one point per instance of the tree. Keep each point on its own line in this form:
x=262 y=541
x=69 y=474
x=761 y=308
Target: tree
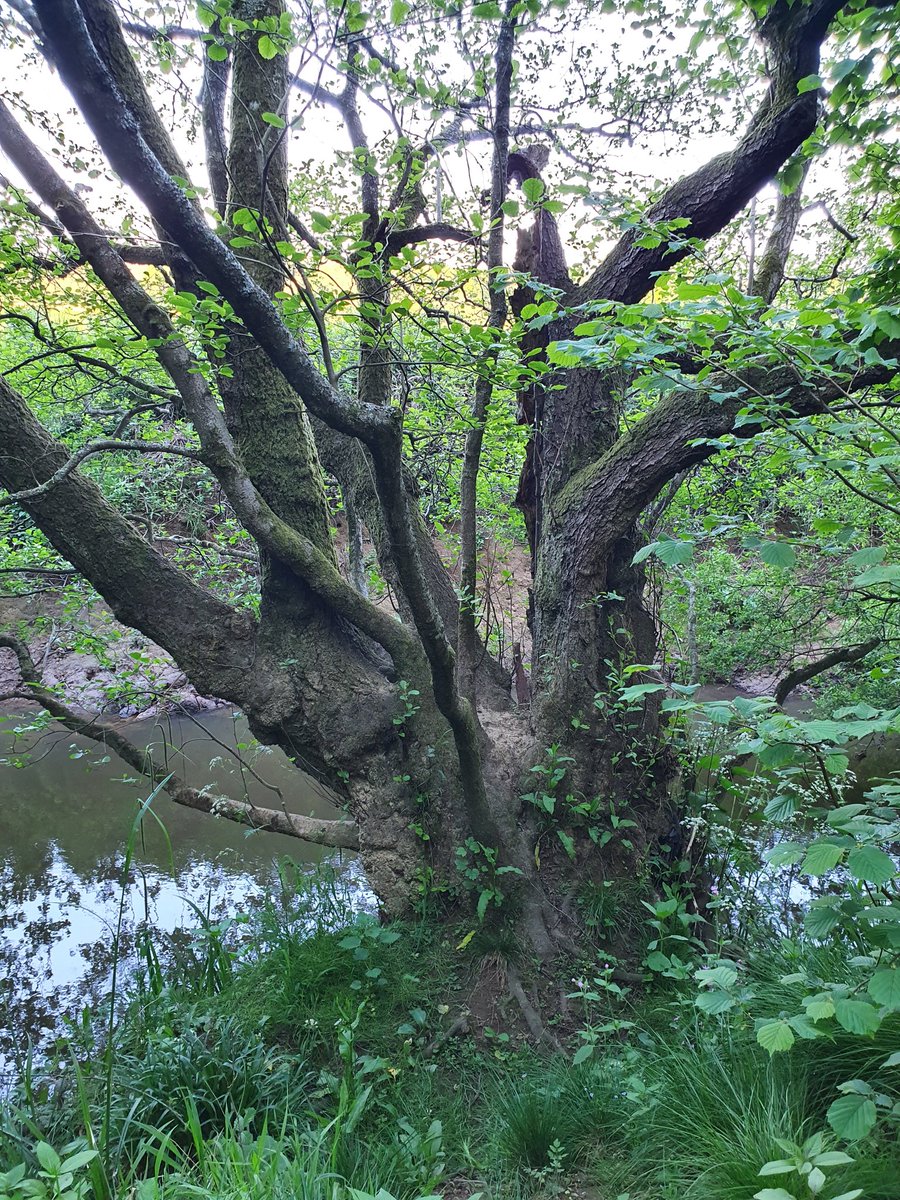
x=408 y=719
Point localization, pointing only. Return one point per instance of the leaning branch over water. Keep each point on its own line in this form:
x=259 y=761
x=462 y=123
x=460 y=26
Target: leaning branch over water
x=337 y=834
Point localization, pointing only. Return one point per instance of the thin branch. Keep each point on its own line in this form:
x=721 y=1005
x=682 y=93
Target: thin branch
x=832 y=220
x=100 y=446
x=338 y=834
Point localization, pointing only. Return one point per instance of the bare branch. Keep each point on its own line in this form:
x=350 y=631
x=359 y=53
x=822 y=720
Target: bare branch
x=339 y=834
x=848 y=654
x=832 y=220
x=100 y=446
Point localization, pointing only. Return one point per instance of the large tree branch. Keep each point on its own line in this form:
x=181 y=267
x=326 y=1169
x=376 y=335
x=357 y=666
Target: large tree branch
x=606 y=497
x=338 y=834
x=847 y=654
x=284 y=543
x=212 y=101
x=439 y=231
x=770 y=271
x=712 y=196
x=467 y=642
x=214 y=643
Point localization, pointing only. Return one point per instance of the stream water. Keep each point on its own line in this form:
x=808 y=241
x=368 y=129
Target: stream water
x=65 y=821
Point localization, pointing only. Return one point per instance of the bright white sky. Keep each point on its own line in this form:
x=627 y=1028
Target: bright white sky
x=660 y=156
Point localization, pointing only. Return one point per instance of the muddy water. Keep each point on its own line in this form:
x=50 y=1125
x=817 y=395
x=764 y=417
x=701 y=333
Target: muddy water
x=65 y=820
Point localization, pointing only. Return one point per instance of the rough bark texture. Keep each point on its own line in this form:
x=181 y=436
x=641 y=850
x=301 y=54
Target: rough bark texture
x=370 y=704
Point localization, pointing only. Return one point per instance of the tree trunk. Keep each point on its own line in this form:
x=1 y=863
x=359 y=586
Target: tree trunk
x=368 y=703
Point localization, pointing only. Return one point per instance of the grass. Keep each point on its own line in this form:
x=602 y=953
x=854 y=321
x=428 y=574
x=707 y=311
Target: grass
x=300 y=1060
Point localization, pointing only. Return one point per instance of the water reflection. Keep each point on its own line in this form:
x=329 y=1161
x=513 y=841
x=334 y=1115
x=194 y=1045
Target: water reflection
x=65 y=820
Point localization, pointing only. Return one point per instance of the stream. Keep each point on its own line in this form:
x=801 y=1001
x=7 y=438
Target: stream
x=65 y=819
x=66 y=813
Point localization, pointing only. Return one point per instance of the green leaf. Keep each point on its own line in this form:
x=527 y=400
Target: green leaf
x=778 y=1166
x=644 y=552
x=803 y=1027
x=714 y=1002
x=868 y=557
x=852 y=1116
x=657 y=961
x=888 y=323
x=809 y=83
x=884 y=988
x=821 y=857
x=856 y=1016
x=833 y=1158
x=781 y=808
x=266 y=47
x=532 y=189
x=675 y=552
x=876 y=575
x=637 y=691
x=582 y=1054
x=871 y=865
x=836 y=764
x=821 y=918
x=568 y=843
x=785 y=854
x=777 y=554
x=47 y=1157
x=790 y=177
x=820 y=1010
x=696 y=291
x=775 y=1036
x=274 y=120
x=490 y=10
x=722 y=976
x=773 y=1194
x=76 y=1161
x=399 y=10
x=215 y=52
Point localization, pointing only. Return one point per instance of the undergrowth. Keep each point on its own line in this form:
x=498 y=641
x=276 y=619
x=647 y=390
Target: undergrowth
x=306 y=1053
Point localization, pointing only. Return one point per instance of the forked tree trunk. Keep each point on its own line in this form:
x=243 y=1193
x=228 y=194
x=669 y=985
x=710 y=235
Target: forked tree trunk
x=368 y=703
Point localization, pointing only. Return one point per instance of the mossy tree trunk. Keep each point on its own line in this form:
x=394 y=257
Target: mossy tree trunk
x=368 y=702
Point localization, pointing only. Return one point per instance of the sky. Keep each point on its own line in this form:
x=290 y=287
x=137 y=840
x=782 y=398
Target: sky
x=594 y=48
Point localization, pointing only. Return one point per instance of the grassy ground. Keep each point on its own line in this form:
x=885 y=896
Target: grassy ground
x=326 y=1057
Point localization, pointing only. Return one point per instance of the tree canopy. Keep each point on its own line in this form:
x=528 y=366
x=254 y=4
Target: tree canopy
x=469 y=273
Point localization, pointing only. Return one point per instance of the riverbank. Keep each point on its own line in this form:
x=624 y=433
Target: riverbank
x=313 y=1053
x=66 y=812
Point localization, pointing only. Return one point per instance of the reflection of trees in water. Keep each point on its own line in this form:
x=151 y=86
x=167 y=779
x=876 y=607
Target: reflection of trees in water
x=58 y=933
x=64 y=825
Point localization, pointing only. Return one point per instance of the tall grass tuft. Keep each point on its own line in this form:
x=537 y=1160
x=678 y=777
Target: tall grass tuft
x=714 y=1109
